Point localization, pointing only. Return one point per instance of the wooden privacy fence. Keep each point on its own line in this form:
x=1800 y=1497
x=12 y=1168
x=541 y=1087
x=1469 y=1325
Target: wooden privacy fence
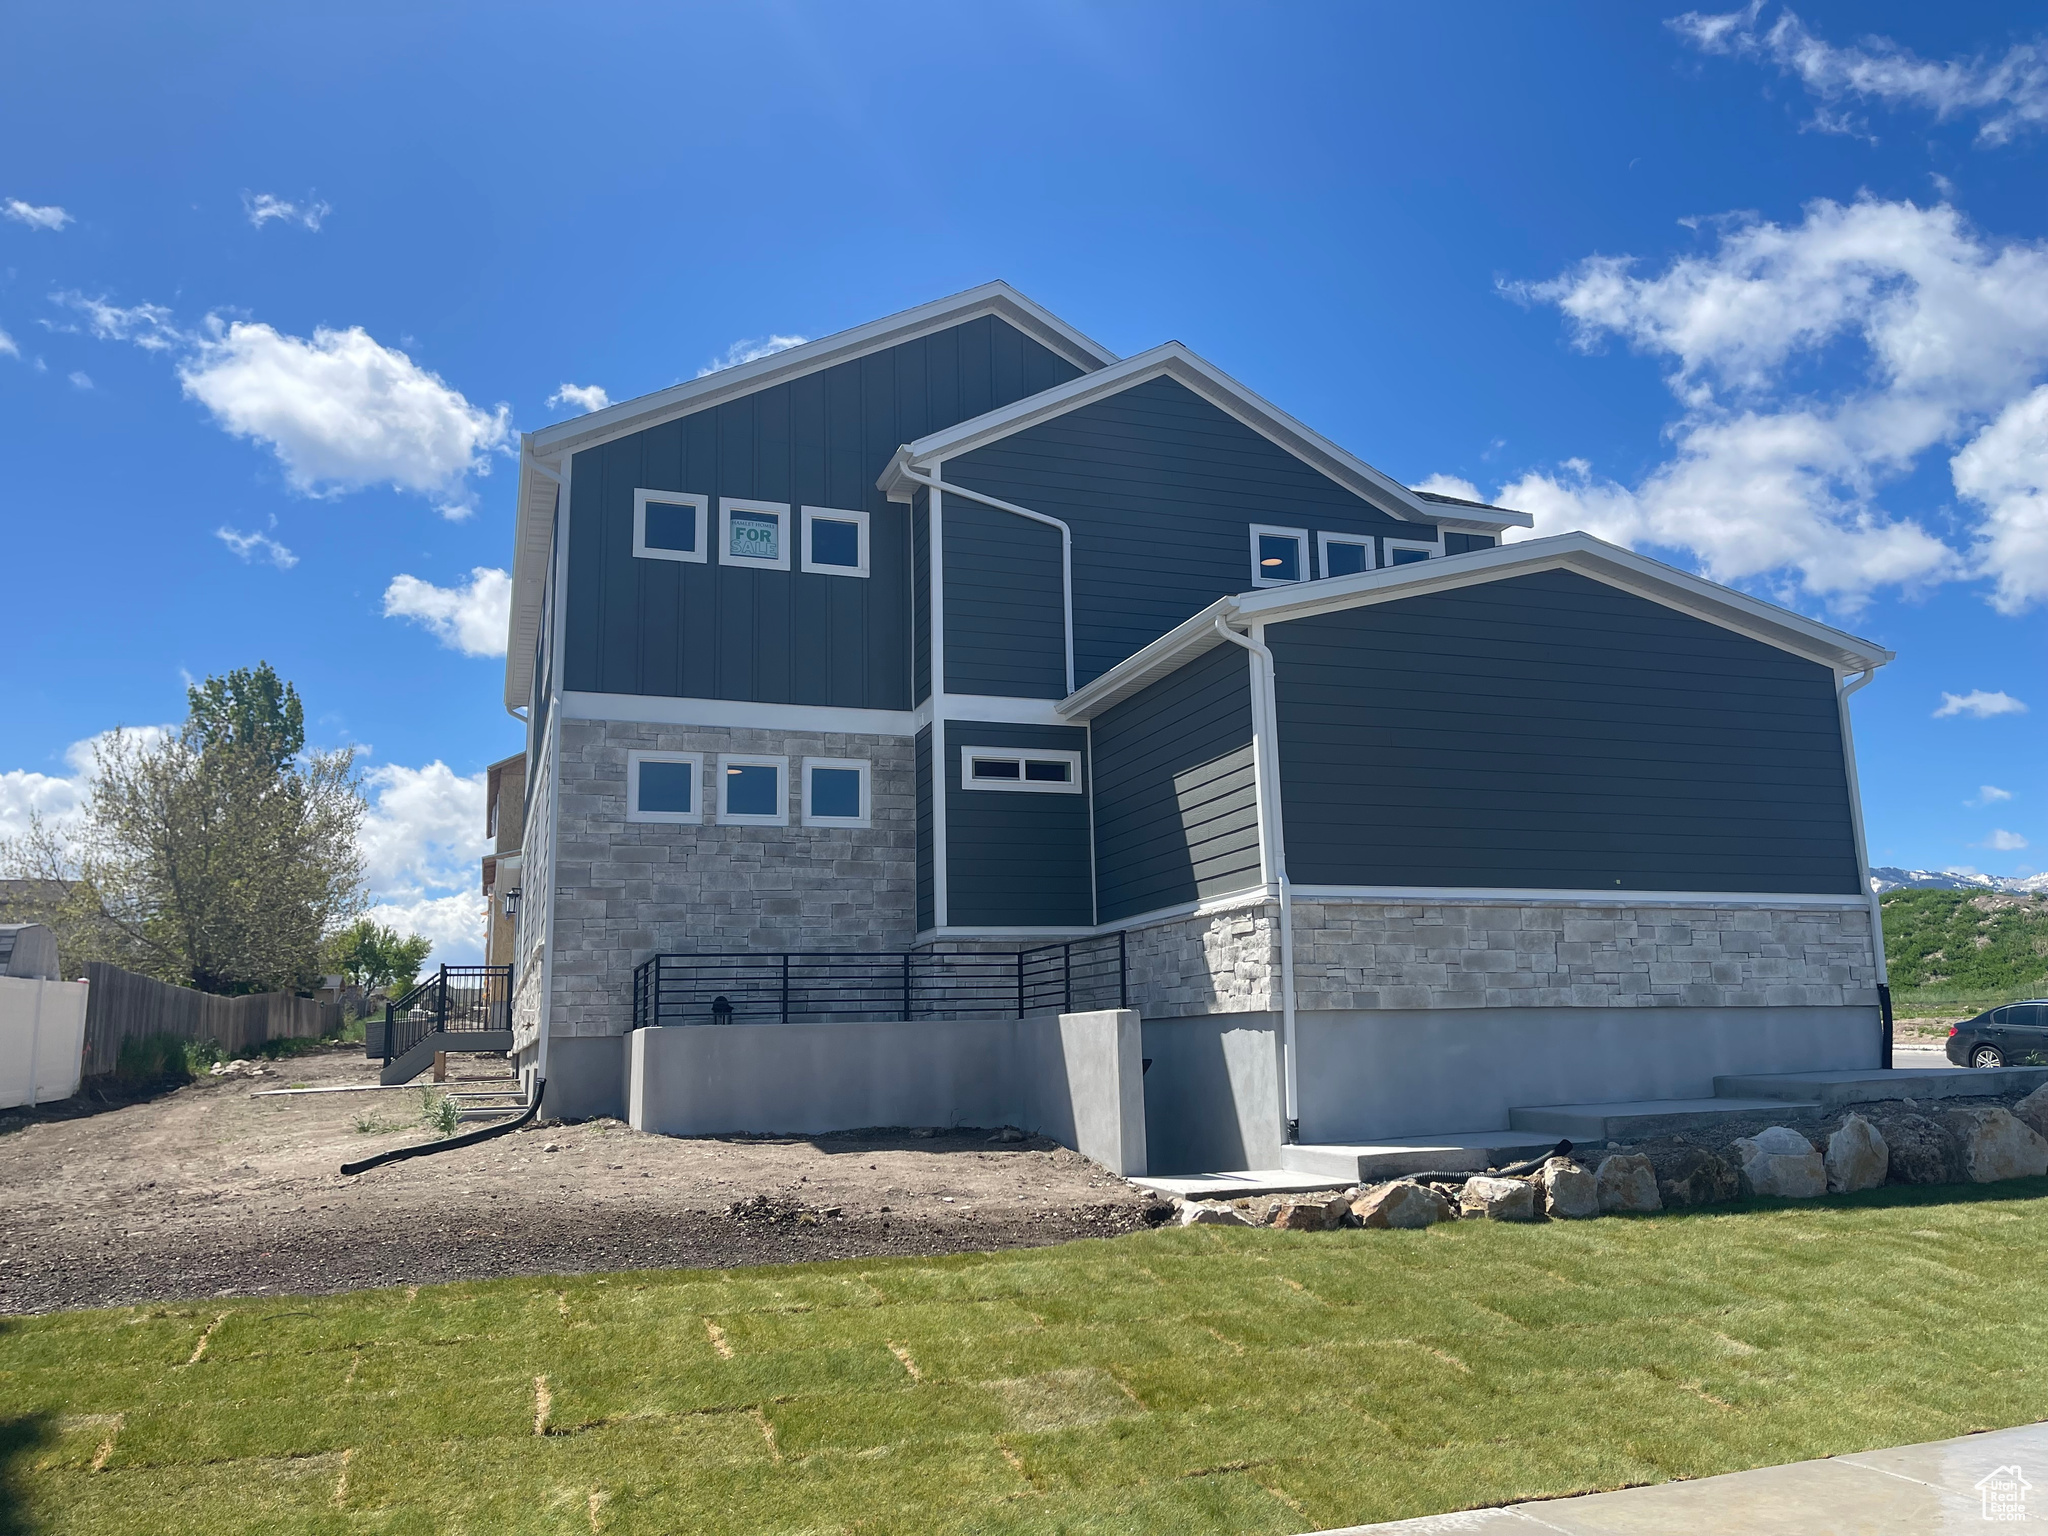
x=124 y=1006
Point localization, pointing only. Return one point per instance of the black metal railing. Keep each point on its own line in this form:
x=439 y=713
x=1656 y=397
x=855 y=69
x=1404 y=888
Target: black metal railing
x=838 y=986
x=460 y=999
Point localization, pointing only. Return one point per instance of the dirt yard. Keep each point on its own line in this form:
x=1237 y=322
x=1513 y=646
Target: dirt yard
x=211 y=1191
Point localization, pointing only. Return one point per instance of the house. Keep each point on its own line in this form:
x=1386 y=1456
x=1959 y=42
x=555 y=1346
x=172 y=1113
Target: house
x=955 y=646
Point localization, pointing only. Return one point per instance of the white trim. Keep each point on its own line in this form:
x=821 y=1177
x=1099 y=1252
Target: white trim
x=694 y=816
x=859 y=765
x=1843 y=689
x=1429 y=551
x=999 y=709
x=1459 y=896
x=833 y=515
x=926 y=935
x=779 y=763
x=727 y=505
x=701 y=505
x=1023 y=756
x=746 y=714
x=1301 y=555
x=1364 y=541
x=935 y=702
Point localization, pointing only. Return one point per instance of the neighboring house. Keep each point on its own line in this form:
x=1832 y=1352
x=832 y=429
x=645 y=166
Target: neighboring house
x=505 y=825
x=956 y=632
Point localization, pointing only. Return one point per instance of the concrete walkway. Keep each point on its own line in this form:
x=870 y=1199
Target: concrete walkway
x=1913 y=1490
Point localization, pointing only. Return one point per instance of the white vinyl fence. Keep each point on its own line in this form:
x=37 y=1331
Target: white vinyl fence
x=42 y=1039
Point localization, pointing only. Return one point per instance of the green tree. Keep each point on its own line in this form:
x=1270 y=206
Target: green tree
x=250 y=707
x=373 y=956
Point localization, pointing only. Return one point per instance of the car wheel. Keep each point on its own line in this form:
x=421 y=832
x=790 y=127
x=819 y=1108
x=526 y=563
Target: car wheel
x=1987 y=1056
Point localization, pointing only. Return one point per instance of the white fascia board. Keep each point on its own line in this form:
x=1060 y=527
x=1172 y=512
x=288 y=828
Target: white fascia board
x=1170 y=652
x=997 y=298
x=532 y=538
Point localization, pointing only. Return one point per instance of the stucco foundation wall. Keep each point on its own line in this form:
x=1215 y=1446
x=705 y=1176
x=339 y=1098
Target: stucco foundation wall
x=1368 y=1075
x=586 y=1077
x=1212 y=1093
x=626 y=890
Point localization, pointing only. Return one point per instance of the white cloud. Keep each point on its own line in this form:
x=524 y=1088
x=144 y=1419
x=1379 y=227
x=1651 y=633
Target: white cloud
x=1989 y=794
x=262 y=208
x=1979 y=705
x=472 y=619
x=58 y=798
x=251 y=547
x=2002 y=841
x=49 y=216
x=342 y=411
x=1773 y=477
x=580 y=397
x=7 y=346
x=750 y=350
x=454 y=923
x=147 y=325
x=80 y=379
x=1450 y=485
x=421 y=843
x=2008 y=95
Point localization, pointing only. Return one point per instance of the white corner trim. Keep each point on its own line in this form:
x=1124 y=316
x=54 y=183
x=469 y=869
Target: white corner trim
x=859 y=520
x=694 y=816
x=779 y=510
x=734 y=760
x=1301 y=555
x=700 y=505
x=1023 y=757
x=859 y=765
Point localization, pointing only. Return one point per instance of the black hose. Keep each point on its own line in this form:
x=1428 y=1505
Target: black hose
x=469 y=1139
x=1512 y=1171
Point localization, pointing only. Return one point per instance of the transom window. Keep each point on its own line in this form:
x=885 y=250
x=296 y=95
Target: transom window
x=1279 y=555
x=1409 y=551
x=664 y=786
x=836 y=792
x=750 y=790
x=835 y=541
x=1345 y=554
x=669 y=525
x=1031 y=770
x=753 y=533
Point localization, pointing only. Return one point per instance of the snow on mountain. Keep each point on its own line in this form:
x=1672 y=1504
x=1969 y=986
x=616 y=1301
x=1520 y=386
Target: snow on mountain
x=1890 y=878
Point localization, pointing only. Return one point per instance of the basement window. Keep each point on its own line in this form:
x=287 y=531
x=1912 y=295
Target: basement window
x=669 y=525
x=750 y=790
x=1279 y=555
x=753 y=533
x=1030 y=770
x=1344 y=554
x=836 y=792
x=664 y=786
x=835 y=542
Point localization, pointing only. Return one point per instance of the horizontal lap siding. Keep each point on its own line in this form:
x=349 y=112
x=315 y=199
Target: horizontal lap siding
x=711 y=630
x=1015 y=859
x=1160 y=489
x=1551 y=732
x=1176 y=802
x=1006 y=630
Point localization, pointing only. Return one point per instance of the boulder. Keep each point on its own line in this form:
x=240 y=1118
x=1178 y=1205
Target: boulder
x=1569 y=1191
x=1995 y=1145
x=1922 y=1151
x=1312 y=1213
x=1498 y=1199
x=1402 y=1203
x=1212 y=1213
x=1857 y=1157
x=1627 y=1183
x=2032 y=1111
x=1697 y=1177
x=1781 y=1162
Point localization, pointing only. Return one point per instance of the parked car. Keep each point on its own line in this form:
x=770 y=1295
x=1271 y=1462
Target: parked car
x=2013 y=1036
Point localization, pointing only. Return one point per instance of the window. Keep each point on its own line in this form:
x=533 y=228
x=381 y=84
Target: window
x=835 y=792
x=753 y=533
x=835 y=542
x=669 y=525
x=1344 y=554
x=664 y=786
x=1036 y=772
x=1279 y=555
x=1409 y=551
x=750 y=792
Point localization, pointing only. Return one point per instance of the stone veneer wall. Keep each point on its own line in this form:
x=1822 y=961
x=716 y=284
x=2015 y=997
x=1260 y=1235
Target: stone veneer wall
x=625 y=890
x=1357 y=955
x=529 y=943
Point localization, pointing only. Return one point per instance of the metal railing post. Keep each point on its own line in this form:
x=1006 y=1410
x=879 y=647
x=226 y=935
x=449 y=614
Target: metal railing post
x=1123 y=968
x=1067 y=960
x=785 y=986
x=906 y=986
x=1020 y=983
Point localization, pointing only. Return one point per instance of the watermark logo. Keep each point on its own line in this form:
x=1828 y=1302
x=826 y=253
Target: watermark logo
x=2004 y=1490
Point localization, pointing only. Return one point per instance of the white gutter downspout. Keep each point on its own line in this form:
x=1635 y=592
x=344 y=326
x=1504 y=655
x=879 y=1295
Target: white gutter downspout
x=1884 y=980
x=1273 y=854
x=934 y=483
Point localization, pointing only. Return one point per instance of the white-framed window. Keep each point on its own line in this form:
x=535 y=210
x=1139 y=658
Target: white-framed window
x=753 y=791
x=835 y=541
x=1033 y=770
x=669 y=525
x=836 y=792
x=753 y=533
x=665 y=786
x=1344 y=554
x=1409 y=551
x=1279 y=555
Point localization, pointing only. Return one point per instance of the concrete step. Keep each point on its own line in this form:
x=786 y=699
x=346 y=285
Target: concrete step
x=1237 y=1184
x=421 y=1056
x=1833 y=1090
x=1596 y=1123
x=1365 y=1162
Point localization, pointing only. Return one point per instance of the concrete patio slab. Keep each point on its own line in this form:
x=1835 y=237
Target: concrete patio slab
x=1835 y=1089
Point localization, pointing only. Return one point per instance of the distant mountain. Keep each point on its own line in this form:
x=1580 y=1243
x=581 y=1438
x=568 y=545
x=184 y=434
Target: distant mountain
x=1891 y=878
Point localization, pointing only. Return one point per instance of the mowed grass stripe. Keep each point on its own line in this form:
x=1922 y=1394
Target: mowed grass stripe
x=1178 y=1381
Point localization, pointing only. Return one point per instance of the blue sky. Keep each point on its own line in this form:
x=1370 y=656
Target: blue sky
x=1764 y=293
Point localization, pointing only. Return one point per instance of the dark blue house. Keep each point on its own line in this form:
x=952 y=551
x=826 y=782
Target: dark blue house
x=957 y=636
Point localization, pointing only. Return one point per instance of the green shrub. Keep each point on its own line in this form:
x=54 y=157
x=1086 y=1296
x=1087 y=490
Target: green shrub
x=149 y=1060
x=439 y=1111
x=1964 y=950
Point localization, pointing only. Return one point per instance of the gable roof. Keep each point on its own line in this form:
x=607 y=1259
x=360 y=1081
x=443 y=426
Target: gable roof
x=535 y=505
x=1174 y=361
x=1836 y=649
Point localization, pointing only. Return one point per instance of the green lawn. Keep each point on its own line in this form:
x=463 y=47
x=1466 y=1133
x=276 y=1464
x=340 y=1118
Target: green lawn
x=1177 y=1381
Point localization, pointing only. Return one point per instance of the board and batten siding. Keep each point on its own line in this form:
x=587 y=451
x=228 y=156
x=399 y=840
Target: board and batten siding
x=1006 y=627
x=1548 y=731
x=1160 y=489
x=1015 y=859
x=1176 y=800
x=712 y=630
